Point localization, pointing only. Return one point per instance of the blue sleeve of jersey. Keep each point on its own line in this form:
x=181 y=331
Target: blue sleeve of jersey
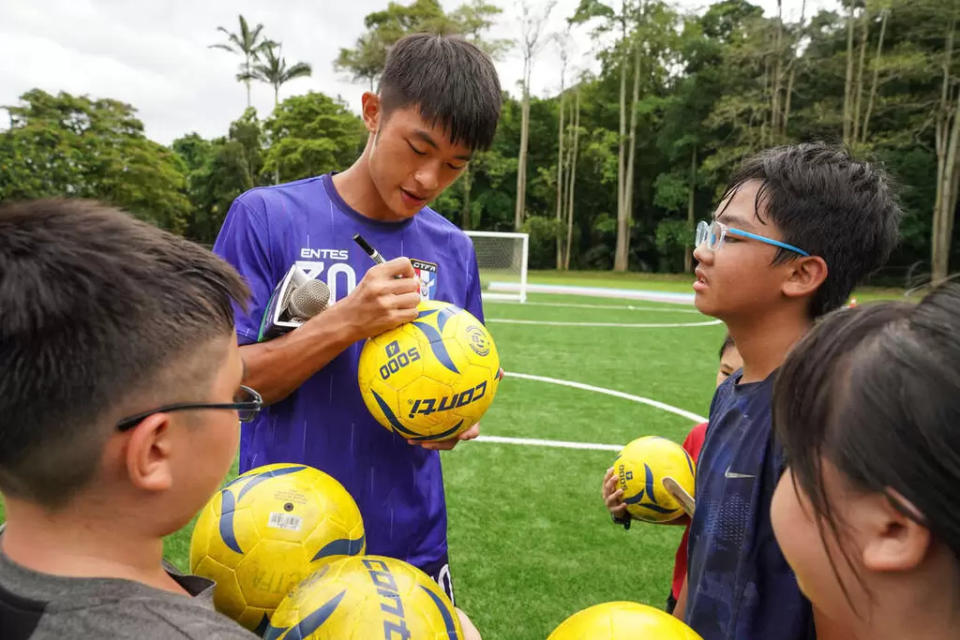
x=244 y=243
x=474 y=302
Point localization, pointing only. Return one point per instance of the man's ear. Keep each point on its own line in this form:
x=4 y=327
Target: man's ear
x=148 y=454
x=804 y=277
x=894 y=541
x=371 y=111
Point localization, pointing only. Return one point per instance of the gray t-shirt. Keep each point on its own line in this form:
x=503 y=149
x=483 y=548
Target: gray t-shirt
x=40 y=606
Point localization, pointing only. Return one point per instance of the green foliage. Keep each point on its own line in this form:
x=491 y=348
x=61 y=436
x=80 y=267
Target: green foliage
x=80 y=147
x=311 y=134
x=672 y=238
x=672 y=192
x=543 y=240
x=365 y=61
x=274 y=70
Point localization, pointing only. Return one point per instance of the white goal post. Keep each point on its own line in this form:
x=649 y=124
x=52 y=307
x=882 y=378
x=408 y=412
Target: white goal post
x=502 y=260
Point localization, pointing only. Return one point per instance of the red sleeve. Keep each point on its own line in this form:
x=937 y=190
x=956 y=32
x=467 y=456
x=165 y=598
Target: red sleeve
x=694 y=441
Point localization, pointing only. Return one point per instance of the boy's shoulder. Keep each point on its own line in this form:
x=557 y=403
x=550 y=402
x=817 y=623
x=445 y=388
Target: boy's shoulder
x=36 y=606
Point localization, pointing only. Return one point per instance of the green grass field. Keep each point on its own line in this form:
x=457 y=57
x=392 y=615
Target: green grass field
x=530 y=540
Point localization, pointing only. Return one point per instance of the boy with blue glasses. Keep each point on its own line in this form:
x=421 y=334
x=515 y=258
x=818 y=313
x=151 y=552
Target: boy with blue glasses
x=795 y=231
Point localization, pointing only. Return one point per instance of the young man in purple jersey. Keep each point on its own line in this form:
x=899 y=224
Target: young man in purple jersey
x=438 y=101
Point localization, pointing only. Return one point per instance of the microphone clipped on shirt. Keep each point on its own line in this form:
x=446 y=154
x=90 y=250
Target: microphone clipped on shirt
x=295 y=299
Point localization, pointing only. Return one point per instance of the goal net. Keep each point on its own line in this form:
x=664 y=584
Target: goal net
x=502 y=259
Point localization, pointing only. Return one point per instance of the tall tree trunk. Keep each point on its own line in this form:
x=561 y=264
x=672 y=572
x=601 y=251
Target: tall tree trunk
x=623 y=228
x=571 y=182
x=560 y=167
x=465 y=214
x=518 y=213
x=794 y=61
x=775 y=109
x=947 y=201
x=568 y=173
x=691 y=213
x=946 y=134
x=247 y=81
x=865 y=131
x=632 y=148
x=848 y=84
x=858 y=84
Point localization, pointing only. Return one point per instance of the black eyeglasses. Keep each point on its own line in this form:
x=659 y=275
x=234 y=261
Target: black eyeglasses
x=247 y=403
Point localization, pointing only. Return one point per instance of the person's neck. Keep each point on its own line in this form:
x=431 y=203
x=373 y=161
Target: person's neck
x=764 y=341
x=78 y=542
x=933 y=591
x=356 y=187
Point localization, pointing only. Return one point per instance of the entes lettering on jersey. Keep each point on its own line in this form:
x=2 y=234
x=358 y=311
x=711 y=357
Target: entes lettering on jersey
x=324 y=254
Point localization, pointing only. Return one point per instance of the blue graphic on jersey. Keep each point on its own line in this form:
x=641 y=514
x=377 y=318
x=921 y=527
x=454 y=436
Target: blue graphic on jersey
x=342 y=547
x=445 y=612
x=436 y=340
x=638 y=499
x=308 y=625
x=228 y=504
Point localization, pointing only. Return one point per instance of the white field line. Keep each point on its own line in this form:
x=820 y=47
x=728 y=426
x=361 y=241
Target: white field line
x=601 y=292
x=639 y=325
x=574 y=305
x=563 y=444
x=559 y=444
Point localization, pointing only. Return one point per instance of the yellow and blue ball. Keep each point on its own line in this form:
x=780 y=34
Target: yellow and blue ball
x=433 y=378
x=266 y=531
x=640 y=469
x=365 y=597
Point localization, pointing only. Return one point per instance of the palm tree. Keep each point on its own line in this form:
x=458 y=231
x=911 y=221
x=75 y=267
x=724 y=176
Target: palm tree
x=274 y=70
x=249 y=44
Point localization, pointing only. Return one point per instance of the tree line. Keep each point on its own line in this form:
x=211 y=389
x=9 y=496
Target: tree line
x=609 y=172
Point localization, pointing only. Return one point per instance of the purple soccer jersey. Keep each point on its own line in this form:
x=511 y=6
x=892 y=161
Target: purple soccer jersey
x=324 y=423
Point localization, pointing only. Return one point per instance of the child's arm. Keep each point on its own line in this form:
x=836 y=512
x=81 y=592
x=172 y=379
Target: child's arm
x=680 y=610
x=469 y=630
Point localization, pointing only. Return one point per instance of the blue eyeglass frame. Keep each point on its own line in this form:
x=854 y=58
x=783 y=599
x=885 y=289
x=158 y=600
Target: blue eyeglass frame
x=724 y=229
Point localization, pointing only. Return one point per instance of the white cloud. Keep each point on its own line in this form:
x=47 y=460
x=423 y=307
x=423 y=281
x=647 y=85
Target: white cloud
x=156 y=55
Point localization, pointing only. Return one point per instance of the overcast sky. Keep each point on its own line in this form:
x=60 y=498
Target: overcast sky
x=155 y=55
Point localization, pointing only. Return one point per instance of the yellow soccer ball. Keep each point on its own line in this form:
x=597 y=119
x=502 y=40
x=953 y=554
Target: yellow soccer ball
x=432 y=378
x=622 y=621
x=640 y=469
x=366 y=597
x=266 y=531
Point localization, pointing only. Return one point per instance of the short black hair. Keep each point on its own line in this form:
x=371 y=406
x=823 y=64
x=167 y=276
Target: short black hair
x=97 y=308
x=727 y=343
x=875 y=390
x=453 y=83
x=830 y=205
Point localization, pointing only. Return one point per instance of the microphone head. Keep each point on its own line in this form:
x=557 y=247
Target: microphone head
x=309 y=299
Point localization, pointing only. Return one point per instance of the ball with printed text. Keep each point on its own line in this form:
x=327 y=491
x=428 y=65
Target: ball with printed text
x=433 y=378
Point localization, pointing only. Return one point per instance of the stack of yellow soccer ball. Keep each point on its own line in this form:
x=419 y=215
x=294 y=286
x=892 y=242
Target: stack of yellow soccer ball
x=285 y=545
